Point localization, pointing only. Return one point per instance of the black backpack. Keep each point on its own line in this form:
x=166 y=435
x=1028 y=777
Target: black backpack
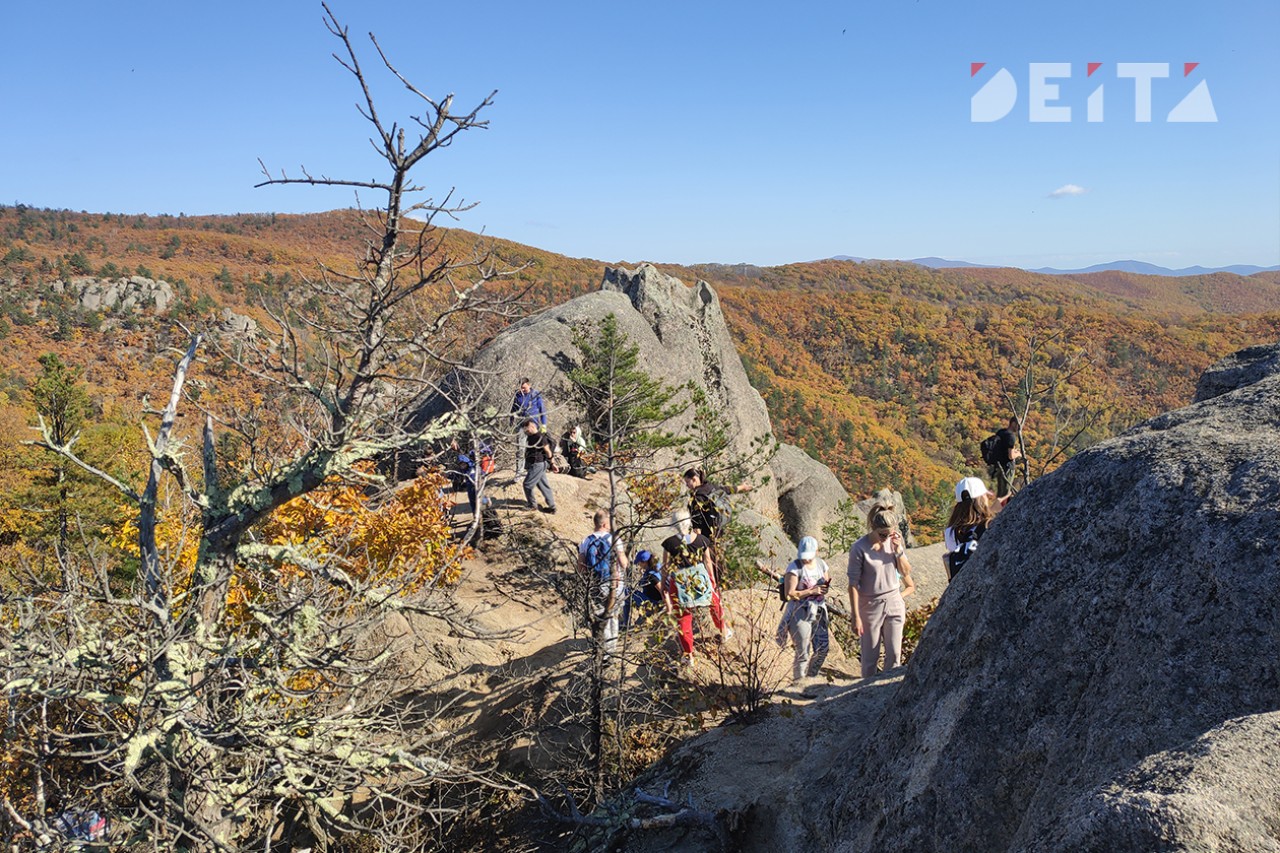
x=957 y=558
x=712 y=511
x=990 y=448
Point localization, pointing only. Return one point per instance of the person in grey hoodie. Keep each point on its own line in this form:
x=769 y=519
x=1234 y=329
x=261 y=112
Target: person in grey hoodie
x=879 y=578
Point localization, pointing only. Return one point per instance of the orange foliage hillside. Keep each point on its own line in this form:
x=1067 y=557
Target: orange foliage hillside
x=885 y=371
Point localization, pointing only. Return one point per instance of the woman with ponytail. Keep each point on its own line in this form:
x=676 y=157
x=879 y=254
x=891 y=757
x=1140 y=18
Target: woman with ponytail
x=879 y=578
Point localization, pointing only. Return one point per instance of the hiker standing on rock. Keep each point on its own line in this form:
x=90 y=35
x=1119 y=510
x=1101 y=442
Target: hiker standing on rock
x=879 y=578
x=537 y=461
x=806 y=582
x=709 y=511
x=1001 y=453
x=526 y=406
x=970 y=517
x=690 y=580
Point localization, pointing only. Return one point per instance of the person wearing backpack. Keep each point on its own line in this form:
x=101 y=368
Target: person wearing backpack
x=709 y=512
x=538 y=455
x=603 y=564
x=879 y=578
x=527 y=405
x=648 y=594
x=805 y=584
x=1001 y=453
x=690 y=580
x=709 y=506
x=970 y=517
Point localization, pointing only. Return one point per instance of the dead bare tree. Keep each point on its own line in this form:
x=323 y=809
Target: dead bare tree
x=245 y=699
x=1038 y=374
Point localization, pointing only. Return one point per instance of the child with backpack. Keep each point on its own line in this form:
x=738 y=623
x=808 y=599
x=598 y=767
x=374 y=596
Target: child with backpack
x=690 y=580
x=648 y=594
x=970 y=517
x=805 y=584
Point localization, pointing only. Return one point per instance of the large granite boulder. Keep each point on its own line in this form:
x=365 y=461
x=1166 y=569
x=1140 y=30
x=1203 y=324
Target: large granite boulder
x=808 y=492
x=1119 y=608
x=1237 y=370
x=682 y=337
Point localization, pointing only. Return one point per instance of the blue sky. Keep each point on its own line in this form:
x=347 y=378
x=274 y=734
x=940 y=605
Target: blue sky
x=678 y=132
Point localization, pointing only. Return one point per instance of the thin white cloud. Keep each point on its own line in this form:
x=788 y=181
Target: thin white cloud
x=1067 y=190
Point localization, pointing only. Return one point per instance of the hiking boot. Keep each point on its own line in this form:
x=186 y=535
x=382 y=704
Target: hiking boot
x=549 y=510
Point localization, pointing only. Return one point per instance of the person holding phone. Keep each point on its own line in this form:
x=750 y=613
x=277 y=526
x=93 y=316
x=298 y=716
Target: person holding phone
x=879 y=579
x=807 y=580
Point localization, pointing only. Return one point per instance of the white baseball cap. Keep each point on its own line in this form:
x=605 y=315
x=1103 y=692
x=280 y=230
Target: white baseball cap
x=970 y=487
x=808 y=548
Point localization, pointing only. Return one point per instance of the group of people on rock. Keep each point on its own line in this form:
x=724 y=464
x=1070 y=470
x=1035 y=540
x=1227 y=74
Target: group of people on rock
x=684 y=583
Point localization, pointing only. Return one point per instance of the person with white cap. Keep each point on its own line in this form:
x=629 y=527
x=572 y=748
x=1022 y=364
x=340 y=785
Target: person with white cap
x=970 y=517
x=807 y=580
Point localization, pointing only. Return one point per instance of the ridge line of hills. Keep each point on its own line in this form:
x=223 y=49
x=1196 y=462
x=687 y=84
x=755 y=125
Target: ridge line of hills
x=1131 y=266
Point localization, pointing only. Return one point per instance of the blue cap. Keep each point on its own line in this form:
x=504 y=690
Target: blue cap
x=643 y=557
x=808 y=548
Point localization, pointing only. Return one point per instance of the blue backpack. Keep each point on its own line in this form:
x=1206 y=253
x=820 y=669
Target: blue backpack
x=597 y=554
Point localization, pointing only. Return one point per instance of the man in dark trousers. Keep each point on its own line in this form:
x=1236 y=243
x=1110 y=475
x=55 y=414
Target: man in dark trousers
x=537 y=462
x=526 y=405
x=1007 y=455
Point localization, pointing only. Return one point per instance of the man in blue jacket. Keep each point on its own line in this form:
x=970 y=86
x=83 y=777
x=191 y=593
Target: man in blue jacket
x=526 y=406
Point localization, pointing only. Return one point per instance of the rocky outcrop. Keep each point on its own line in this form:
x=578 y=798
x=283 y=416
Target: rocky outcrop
x=126 y=295
x=238 y=324
x=682 y=337
x=808 y=492
x=1119 y=608
x=1237 y=370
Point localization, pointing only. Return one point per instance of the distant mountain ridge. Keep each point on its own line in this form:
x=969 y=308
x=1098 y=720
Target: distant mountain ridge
x=1140 y=267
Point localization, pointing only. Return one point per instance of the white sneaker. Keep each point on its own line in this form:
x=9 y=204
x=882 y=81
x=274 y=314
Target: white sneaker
x=727 y=634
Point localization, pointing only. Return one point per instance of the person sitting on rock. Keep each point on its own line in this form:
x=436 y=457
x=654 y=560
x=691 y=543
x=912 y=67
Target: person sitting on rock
x=648 y=593
x=574 y=446
x=690 y=580
x=970 y=517
x=538 y=452
x=807 y=580
x=879 y=578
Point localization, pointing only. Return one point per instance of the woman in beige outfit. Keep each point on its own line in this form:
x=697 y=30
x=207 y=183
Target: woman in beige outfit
x=879 y=578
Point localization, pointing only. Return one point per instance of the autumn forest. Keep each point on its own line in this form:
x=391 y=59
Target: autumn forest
x=889 y=373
